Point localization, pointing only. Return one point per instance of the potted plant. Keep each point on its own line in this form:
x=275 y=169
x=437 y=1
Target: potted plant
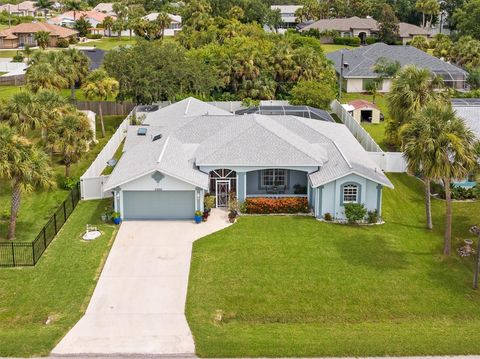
x=116 y=218
x=232 y=215
x=198 y=216
x=209 y=203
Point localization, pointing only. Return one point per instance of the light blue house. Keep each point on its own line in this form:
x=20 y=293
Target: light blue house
x=190 y=148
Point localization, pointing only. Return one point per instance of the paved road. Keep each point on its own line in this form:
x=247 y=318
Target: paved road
x=138 y=304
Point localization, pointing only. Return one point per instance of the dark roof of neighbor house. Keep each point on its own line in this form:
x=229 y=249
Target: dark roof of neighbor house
x=358 y=104
x=361 y=61
x=96 y=57
x=302 y=111
x=358 y=23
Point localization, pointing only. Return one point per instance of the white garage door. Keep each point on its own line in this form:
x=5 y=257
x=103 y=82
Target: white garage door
x=158 y=204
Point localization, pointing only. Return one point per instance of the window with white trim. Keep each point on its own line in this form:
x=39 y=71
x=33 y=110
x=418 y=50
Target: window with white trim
x=350 y=193
x=273 y=177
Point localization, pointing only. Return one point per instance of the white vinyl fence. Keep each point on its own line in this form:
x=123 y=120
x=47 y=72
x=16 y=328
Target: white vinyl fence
x=387 y=161
x=92 y=181
x=12 y=66
x=355 y=128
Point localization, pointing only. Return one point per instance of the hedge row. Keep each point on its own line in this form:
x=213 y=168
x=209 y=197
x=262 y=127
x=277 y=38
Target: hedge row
x=347 y=40
x=276 y=205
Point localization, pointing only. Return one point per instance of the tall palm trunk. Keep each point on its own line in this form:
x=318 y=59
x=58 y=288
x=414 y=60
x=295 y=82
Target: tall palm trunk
x=14 y=207
x=428 y=203
x=447 y=244
x=101 y=119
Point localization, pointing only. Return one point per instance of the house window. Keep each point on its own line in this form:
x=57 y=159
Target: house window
x=350 y=193
x=273 y=177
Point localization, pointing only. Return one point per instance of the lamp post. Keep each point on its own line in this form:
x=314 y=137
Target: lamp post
x=476 y=230
x=343 y=65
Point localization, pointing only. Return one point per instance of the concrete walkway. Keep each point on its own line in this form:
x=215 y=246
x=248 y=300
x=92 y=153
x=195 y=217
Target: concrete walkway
x=138 y=304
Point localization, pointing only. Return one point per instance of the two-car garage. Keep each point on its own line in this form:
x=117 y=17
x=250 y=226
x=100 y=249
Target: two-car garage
x=155 y=205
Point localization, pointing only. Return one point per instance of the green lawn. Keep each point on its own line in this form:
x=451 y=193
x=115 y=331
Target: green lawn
x=297 y=287
x=59 y=286
x=327 y=48
x=377 y=131
x=39 y=206
x=108 y=43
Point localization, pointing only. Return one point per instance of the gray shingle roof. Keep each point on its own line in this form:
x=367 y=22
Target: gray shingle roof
x=361 y=61
x=246 y=140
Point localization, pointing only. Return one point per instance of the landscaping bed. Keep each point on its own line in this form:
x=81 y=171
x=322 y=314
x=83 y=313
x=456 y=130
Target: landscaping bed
x=58 y=287
x=292 y=286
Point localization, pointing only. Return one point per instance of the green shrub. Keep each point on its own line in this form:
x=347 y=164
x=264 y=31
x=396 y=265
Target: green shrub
x=68 y=183
x=209 y=201
x=73 y=40
x=355 y=212
x=372 y=216
x=18 y=57
x=312 y=93
x=327 y=216
x=94 y=36
x=371 y=40
x=62 y=43
x=347 y=40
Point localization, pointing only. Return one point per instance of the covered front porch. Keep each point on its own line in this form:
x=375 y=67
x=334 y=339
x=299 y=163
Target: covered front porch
x=266 y=183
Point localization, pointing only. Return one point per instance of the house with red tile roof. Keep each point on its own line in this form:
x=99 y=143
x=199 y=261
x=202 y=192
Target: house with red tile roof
x=68 y=18
x=24 y=34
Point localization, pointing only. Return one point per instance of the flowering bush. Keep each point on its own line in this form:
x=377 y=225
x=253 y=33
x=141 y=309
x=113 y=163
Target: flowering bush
x=276 y=205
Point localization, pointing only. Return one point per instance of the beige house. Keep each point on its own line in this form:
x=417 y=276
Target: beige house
x=363 y=111
x=24 y=34
x=362 y=28
x=25 y=8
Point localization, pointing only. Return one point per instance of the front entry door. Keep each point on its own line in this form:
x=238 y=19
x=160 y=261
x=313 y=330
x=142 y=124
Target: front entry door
x=223 y=187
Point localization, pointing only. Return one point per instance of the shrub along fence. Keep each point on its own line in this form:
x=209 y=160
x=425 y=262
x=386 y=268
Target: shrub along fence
x=18 y=254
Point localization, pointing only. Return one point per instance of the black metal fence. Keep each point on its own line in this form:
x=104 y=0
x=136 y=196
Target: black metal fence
x=17 y=254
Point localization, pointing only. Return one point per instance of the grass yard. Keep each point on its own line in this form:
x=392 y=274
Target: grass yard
x=108 y=43
x=327 y=48
x=59 y=286
x=377 y=131
x=297 y=287
x=37 y=207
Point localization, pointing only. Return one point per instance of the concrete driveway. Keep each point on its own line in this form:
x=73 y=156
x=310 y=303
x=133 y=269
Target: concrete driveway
x=139 y=302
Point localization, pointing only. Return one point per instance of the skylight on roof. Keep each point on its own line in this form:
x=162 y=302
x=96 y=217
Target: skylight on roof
x=142 y=131
x=156 y=137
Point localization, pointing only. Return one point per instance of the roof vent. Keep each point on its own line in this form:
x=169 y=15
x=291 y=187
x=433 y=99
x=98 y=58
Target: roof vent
x=156 y=137
x=142 y=131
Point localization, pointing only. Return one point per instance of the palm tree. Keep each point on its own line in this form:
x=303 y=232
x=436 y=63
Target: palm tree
x=29 y=169
x=45 y=5
x=74 y=66
x=42 y=38
x=70 y=137
x=43 y=75
x=411 y=90
x=107 y=24
x=73 y=5
x=51 y=107
x=20 y=112
x=445 y=151
x=98 y=85
x=163 y=20
x=8 y=138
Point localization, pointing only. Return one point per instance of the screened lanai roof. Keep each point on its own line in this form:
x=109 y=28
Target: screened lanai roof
x=465 y=102
x=284 y=110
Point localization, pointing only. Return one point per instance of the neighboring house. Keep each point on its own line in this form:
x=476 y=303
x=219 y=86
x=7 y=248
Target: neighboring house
x=25 y=8
x=363 y=28
x=287 y=12
x=175 y=24
x=358 y=66
x=106 y=8
x=190 y=148
x=24 y=34
x=68 y=18
x=363 y=111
